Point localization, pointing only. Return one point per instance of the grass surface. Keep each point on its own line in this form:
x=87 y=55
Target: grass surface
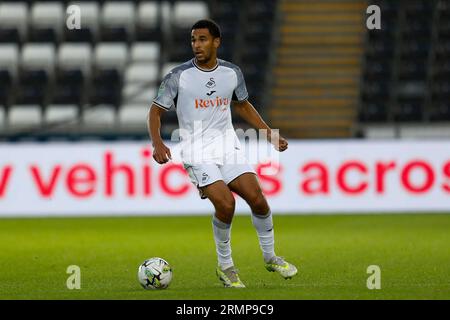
x=331 y=252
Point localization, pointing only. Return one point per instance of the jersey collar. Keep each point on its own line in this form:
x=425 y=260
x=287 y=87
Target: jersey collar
x=205 y=70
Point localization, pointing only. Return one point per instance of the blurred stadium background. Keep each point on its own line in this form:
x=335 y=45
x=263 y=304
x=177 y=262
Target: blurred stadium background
x=312 y=67
x=338 y=91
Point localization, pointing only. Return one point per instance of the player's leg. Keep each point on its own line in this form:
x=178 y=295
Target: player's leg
x=221 y=197
x=208 y=179
x=247 y=186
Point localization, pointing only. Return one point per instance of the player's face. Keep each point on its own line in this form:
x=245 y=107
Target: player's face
x=204 y=45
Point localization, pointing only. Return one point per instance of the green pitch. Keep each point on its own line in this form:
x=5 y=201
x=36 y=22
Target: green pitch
x=331 y=252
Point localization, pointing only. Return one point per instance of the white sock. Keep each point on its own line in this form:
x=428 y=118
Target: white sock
x=222 y=237
x=264 y=228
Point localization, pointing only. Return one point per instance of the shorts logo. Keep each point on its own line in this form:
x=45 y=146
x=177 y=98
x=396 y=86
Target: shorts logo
x=211 y=83
x=205 y=177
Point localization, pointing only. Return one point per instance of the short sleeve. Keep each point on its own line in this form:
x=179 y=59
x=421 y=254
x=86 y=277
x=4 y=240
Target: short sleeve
x=240 y=92
x=167 y=92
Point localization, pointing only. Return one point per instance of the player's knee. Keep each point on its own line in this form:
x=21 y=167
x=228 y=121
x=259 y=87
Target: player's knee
x=259 y=205
x=226 y=206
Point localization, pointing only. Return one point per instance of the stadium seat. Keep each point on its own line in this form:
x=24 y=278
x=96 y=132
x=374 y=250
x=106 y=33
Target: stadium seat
x=47 y=21
x=377 y=69
x=226 y=11
x=2 y=117
x=441 y=91
x=419 y=131
x=22 y=116
x=75 y=56
x=418 y=27
x=186 y=13
x=101 y=116
x=13 y=22
x=141 y=73
x=147 y=14
x=412 y=70
x=117 y=20
x=182 y=52
x=145 y=52
x=262 y=11
x=38 y=64
x=106 y=87
x=89 y=21
x=411 y=89
x=69 y=92
x=379 y=132
x=444 y=30
x=414 y=50
x=440 y=111
x=409 y=110
x=257 y=32
x=60 y=113
x=110 y=60
x=74 y=68
x=375 y=90
x=374 y=111
x=111 y=56
x=9 y=57
x=150 y=21
x=226 y=16
x=138 y=94
x=5 y=94
x=133 y=115
x=9 y=63
x=39 y=56
x=254 y=56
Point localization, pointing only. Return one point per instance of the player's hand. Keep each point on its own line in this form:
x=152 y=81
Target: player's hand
x=283 y=144
x=161 y=153
x=280 y=144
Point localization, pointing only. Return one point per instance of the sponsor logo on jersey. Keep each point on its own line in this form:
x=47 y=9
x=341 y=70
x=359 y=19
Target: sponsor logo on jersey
x=211 y=83
x=206 y=103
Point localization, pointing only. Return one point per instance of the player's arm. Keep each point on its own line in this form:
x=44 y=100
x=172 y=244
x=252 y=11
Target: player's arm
x=247 y=112
x=161 y=153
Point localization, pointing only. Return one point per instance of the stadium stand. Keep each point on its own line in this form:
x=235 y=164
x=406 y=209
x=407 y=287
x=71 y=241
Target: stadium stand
x=405 y=84
x=102 y=78
x=312 y=68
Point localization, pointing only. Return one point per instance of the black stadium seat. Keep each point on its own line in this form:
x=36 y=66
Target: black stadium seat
x=374 y=111
x=5 y=87
x=69 y=87
x=9 y=35
x=106 y=87
x=33 y=84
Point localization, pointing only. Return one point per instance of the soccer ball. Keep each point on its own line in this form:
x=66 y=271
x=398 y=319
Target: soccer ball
x=155 y=273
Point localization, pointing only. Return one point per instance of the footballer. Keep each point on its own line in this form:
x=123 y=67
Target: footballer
x=201 y=91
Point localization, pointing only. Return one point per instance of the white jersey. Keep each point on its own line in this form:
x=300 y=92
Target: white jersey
x=202 y=100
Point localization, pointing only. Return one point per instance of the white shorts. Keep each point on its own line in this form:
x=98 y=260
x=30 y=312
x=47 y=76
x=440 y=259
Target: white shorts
x=205 y=174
